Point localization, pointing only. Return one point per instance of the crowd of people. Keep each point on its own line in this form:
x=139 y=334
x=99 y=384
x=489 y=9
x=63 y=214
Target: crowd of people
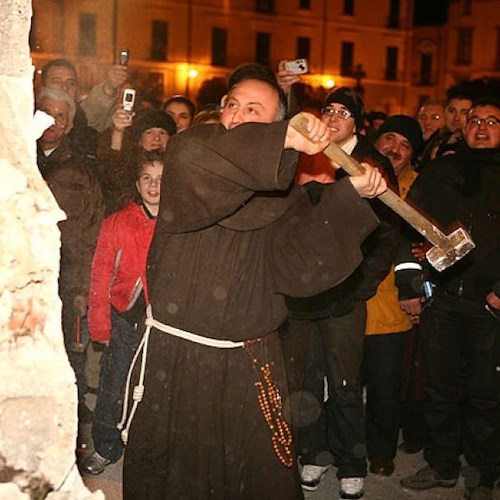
x=264 y=316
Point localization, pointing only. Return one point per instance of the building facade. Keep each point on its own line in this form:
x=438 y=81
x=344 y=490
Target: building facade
x=175 y=45
x=467 y=47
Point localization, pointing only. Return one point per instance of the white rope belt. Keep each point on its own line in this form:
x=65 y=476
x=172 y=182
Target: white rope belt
x=220 y=344
x=138 y=392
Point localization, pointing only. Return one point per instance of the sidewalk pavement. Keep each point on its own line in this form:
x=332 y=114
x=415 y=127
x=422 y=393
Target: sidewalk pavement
x=376 y=487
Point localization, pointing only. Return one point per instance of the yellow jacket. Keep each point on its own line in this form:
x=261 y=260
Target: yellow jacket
x=384 y=314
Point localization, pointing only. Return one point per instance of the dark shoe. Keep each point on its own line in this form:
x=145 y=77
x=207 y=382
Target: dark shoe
x=410 y=448
x=426 y=479
x=95 y=464
x=311 y=475
x=351 y=487
x=381 y=466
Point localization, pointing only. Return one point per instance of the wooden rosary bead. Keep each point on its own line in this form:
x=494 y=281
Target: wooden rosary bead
x=269 y=399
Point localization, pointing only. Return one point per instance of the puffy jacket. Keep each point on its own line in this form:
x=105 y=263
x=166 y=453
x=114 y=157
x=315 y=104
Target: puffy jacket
x=118 y=268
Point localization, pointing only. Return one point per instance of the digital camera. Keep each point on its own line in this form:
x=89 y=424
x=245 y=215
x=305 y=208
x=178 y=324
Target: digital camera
x=298 y=66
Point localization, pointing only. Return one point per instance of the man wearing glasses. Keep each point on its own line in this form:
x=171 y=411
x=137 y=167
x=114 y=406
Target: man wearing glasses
x=462 y=328
x=326 y=332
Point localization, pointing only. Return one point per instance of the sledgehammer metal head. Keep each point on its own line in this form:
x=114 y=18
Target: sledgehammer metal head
x=460 y=244
x=447 y=249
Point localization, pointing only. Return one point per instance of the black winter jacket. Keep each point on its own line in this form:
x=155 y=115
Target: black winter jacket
x=463 y=188
x=78 y=194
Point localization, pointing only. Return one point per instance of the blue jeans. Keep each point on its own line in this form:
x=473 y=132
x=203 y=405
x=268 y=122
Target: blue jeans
x=115 y=364
x=334 y=350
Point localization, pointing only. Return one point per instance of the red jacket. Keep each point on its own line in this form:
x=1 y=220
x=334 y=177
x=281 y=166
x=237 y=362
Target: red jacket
x=119 y=266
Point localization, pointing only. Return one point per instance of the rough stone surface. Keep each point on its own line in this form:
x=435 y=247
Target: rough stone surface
x=37 y=395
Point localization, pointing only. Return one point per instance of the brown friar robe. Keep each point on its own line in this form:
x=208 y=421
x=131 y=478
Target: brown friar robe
x=227 y=247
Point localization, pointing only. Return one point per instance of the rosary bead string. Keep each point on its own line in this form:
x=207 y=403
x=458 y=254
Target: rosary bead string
x=270 y=404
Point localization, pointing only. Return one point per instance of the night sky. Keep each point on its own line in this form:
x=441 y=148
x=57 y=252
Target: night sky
x=430 y=12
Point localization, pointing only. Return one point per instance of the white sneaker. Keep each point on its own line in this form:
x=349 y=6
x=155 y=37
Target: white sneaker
x=351 y=487
x=310 y=476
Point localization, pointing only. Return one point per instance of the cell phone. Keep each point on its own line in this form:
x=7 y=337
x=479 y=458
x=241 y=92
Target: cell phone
x=124 y=56
x=298 y=66
x=128 y=100
x=493 y=312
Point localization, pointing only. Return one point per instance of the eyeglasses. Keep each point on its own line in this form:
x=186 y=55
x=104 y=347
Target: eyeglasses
x=342 y=113
x=490 y=121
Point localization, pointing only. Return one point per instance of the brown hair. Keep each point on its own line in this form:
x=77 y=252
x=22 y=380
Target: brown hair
x=148 y=157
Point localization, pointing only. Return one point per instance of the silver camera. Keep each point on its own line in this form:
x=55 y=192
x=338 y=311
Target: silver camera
x=298 y=66
x=128 y=100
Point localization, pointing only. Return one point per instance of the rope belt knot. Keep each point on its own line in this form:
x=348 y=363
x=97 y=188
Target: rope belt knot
x=268 y=398
x=138 y=391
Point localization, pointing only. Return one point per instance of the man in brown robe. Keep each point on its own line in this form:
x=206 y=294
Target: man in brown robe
x=233 y=237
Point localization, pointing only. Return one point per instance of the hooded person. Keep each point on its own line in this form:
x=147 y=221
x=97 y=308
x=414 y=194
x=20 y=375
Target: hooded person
x=209 y=421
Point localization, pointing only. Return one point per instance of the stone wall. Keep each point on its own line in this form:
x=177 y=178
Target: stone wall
x=38 y=399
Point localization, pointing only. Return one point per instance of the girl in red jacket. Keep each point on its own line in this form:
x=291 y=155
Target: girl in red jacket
x=117 y=303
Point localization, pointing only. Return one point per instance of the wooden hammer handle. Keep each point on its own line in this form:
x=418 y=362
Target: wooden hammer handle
x=423 y=225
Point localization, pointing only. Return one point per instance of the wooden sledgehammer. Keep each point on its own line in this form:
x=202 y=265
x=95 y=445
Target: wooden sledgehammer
x=447 y=249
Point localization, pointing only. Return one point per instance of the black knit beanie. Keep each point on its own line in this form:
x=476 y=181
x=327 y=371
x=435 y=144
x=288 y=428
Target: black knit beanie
x=349 y=99
x=153 y=118
x=406 y=126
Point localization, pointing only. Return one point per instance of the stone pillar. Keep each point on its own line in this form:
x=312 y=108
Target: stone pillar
x=38 y=400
